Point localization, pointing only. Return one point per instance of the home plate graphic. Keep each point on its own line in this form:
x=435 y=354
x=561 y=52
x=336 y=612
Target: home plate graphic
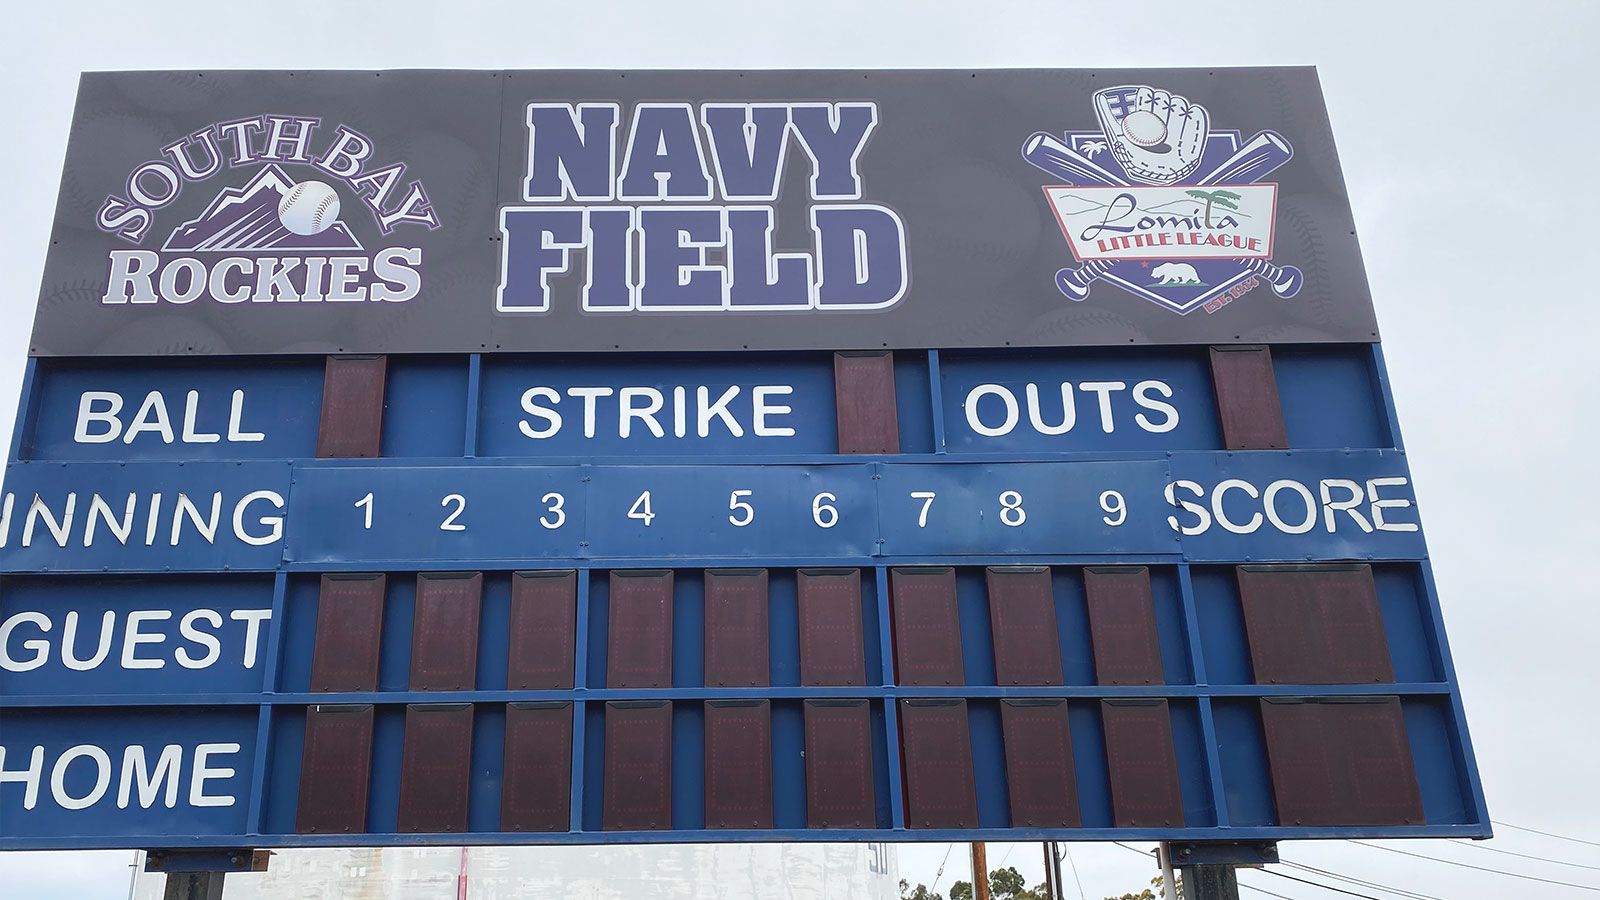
x=272 y=212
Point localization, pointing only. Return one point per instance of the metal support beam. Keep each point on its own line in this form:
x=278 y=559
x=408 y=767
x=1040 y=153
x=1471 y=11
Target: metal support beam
x=194 y=886
x=201 y=861
x=1210 y=883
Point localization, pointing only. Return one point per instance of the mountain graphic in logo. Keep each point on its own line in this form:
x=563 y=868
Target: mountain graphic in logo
x=251 y=218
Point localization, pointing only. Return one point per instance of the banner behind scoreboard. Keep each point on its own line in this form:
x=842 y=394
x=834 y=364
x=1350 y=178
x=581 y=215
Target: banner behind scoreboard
x=266 y=212
x=1041 y=482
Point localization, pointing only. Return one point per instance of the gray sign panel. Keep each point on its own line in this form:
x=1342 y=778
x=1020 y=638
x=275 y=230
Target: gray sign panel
x=274 y=212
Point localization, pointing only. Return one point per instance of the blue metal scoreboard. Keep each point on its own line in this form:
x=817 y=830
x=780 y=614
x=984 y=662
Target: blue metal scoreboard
x=425 y=462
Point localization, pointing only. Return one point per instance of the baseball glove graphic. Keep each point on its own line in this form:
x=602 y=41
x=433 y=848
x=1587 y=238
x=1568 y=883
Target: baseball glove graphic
x=1157 y=136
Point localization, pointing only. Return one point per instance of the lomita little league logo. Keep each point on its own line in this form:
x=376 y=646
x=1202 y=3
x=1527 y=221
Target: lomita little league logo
x=1161 y=205
x=280 y=236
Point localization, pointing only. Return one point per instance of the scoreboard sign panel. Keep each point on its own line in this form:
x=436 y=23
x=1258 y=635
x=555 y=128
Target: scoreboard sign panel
x=543 y=457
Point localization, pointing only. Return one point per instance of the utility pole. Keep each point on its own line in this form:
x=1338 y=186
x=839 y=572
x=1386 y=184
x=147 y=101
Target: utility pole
x=980 y=871
x=1055 y=872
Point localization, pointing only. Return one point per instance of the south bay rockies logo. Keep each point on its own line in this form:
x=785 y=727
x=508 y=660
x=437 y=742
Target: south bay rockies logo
x=279 y=234
x=1163 y=206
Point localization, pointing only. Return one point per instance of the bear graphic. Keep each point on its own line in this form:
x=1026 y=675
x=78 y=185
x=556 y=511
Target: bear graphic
x=1175 y=273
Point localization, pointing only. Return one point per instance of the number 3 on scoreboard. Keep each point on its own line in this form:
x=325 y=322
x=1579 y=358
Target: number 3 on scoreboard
x=554 y=515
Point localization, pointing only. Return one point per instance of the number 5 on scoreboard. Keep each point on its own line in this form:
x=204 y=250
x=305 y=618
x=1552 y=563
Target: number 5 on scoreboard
x=927 y=503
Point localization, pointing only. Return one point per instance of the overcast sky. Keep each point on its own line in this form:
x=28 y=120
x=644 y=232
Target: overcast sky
x=1465 y=130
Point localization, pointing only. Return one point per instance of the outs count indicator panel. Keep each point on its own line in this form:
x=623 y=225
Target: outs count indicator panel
x=1041 y=481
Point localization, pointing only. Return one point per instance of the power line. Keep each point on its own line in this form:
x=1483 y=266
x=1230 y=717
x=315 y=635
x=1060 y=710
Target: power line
x=1067 y=849
x=1413 y=895
x=940 y=874
x=1007 y=856
x=1548 y=834
x=1451 y=862
x=1251 y=887
x=1318 y=884
x=1544 y=859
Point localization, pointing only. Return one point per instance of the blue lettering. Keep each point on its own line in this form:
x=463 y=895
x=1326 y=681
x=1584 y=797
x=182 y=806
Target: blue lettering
x=537 y=242
x=782 y=279
x=674 y=247
x=833 y=135
x=571 y=151
x=748 y=146
x=663 y=160
x=861 y=257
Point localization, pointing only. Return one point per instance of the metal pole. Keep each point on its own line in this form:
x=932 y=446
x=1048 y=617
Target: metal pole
x=1212 y=882
x=133 y=881
x=1049 y=880
x=1055 y=868
x=1168 y=881
x=980 y=871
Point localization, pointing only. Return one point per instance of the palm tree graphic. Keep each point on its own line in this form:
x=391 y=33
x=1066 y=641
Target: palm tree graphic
x=1092 y=149
x=1220 y=198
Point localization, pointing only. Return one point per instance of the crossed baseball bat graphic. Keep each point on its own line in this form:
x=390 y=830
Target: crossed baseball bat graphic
x=1259 y=156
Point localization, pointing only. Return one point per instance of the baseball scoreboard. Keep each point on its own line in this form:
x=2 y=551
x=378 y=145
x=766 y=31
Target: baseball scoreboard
x=421 y=457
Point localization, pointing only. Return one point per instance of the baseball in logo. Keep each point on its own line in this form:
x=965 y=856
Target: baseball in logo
x=1162 y=205
x=276 y=238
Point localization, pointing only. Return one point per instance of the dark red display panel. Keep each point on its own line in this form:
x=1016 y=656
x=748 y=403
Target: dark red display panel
x=638 y=766
x=435 y=768
x=736 y=636
x=936 y=750
x=1040 y=771
x=927 y=627
x=1142 y=764
x=830 y=627
x=1247 y=398
x=536 y=794
x=352 y=407
x=335 y=768
x=1122 y=626
x=444 y=631
x=839 y=792
x=1022 y=615
x=738 y=764
x=864 y=389
x=1314 y=625
x=1341 y=761
x=639 y=649
x=542 y=626
x=349 y=633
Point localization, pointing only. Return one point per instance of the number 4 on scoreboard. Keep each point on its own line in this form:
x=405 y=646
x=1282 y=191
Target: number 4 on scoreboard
x=641 y=510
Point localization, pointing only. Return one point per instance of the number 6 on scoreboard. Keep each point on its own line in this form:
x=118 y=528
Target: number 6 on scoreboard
x=825 y=514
